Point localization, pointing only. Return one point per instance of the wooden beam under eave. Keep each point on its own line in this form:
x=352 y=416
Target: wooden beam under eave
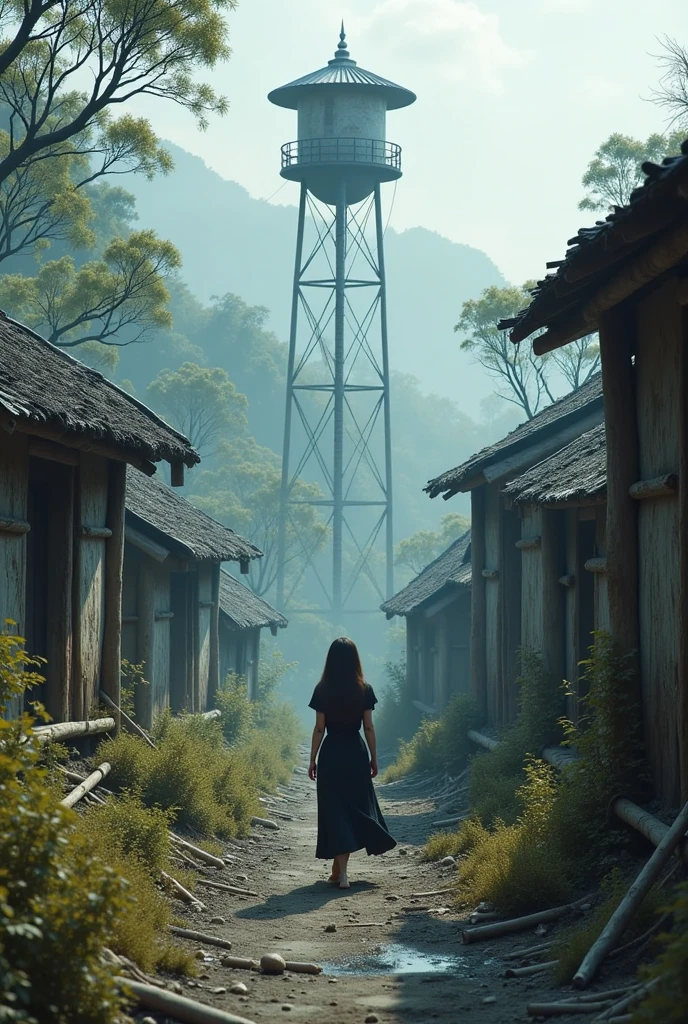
x=562 y=334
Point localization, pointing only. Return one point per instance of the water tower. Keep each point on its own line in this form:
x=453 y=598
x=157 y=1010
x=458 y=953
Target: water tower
x=337 y=420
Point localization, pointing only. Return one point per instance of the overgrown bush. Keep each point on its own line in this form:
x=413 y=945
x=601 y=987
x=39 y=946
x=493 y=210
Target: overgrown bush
x=237 y=712
x=58 y=902
x=440 y=744
x=396 y=719
x=668 y=1001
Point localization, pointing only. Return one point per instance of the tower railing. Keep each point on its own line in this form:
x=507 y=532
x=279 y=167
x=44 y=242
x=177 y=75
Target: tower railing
x=342 y=150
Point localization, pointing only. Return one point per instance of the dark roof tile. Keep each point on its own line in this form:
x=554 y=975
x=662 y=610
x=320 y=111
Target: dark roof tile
x=452 y=567
x=244 y=608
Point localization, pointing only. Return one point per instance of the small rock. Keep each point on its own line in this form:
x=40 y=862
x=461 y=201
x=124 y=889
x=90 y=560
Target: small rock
x=333 y=1002
x=372 y=1018
x=448 y=862
x=242 y=878
x=330 y=927
x=392 y=899
x=176 y=987
x=402 y=853
x=331 y=981
x=287 y=1007
x=149 y=1020
x=204 y=977
x=217 y=920
x=219 y=991
x=272 y=963
x=200 y=954
x=489 y=999
x=541 y=929
x=239 y=989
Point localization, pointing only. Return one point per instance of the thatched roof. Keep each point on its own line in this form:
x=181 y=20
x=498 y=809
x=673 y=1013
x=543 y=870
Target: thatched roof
x=450 y=569
x=243 y=608
x=562 y=416
x=601 y=252
x=171 y=520
x=575 y=475
x=42 y=385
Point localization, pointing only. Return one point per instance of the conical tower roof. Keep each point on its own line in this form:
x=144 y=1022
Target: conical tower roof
x=341 y=71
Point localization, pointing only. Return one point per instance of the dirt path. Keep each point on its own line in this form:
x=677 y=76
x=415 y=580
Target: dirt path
x=367 y=960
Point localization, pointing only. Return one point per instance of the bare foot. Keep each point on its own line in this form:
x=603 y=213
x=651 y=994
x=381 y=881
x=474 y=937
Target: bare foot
x=334 y=877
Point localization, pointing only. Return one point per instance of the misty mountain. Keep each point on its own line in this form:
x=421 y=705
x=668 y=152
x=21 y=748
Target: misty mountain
x=231 y=242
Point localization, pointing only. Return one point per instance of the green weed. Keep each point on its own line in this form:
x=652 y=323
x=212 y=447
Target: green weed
x=668 y=1001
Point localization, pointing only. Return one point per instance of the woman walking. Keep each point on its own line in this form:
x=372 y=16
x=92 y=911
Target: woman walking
x=349 y=817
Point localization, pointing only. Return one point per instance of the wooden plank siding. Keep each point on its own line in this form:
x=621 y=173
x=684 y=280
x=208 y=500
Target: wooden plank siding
x=659 y=330
x=91 y=507
x=493 y=605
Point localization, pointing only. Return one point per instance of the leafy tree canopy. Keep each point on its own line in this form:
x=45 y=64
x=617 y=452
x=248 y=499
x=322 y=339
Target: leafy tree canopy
x=425 y=546
x=616 y=169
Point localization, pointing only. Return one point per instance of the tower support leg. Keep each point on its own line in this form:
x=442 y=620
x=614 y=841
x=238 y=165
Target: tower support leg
x=389 y=517
x=338 y=460
x=284 y=487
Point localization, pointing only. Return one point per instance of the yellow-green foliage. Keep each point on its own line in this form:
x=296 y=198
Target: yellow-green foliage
x=574 y=944
x=496 y=776
x=58 y=902
x=668 y=1001
x=440 y=744
x=134 y=840
x=237 y=712
x=514 y=867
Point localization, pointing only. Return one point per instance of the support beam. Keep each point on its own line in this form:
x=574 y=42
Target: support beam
x=659 y=487
x=478 y=659
x=111 y=663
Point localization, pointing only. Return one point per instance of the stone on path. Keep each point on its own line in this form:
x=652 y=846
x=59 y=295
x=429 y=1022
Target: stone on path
x=272 y=963
x=448 y=862
x=239 y=989
x=330 y=927
x=217 y=920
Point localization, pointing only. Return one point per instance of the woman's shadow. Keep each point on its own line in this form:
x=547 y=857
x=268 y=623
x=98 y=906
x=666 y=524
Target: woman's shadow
x=302 y=900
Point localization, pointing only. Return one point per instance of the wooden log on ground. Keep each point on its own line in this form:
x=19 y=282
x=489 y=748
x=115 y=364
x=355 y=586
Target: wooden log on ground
x=637 y=993
x=87 y=785
x=179 y=891
x=178 y=1007
x=211 y=715
x=208 y=858
x=240 y=963
x=621 y=917
x=210 y=884
x=563 y=1009
x=519 y=924
x=190 y=933
x=302 y=968
x=70 y=730
x=425 y=895
x=483 y=741
x=131 y=725
x=649 y=826
x=559 y=757
x=528 y=951
x=524 y=972
x=265 y=823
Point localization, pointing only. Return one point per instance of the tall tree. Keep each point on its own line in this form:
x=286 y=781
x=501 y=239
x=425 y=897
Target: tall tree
x=66 y=64
x=202 y=403
x=616 y=169
x=115 y=301
x=521 y=376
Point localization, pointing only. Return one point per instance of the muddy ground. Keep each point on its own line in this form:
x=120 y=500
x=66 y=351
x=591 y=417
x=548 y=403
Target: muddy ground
x=387 y=957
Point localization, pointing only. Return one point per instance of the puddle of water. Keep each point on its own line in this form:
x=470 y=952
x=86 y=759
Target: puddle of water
x=395 y=959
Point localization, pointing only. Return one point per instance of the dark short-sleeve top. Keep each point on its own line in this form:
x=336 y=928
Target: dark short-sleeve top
x=341 y=722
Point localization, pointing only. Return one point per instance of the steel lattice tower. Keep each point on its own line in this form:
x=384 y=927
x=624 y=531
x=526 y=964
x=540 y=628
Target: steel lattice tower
x=337 y=428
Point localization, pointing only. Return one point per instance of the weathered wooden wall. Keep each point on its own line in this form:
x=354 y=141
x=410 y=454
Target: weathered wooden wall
x=460 y=638
x=412 y=656
x=493 y=605
x=89 y=606
x=659 y=339
x=205 y=606
x=13 y=507
x=531 y=581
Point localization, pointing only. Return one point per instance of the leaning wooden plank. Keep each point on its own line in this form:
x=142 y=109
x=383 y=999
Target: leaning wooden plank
x=519 y=924
x=70 y=730
x=621 y=917
x=209 y=940
x=203 y=855
x=225 y=887
x=125 y=718
x=178 y=1007
x=87 y=785
x=179 y=890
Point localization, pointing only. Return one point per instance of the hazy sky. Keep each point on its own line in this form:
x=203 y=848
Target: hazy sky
x=514 y=96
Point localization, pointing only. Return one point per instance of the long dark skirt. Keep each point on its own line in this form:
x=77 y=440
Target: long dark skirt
x=349 y=817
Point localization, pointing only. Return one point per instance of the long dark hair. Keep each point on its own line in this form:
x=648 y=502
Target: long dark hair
x=342 y=685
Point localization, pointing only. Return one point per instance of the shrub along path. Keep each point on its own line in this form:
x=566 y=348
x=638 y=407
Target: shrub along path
x=380 y=924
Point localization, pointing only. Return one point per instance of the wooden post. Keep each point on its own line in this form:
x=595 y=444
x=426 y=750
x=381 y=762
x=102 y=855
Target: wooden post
x=441 y=695
x=478 y=665
x=214 y=666
x=412 y=656
x=617 y=345
x=114 y=563
x=553 y=562
x=145 y=640
x=682 y=709
x=76 y=698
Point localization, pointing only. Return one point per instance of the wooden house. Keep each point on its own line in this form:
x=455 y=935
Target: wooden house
x=496 y=540
x=66 y=437
x=627 y=277
x=171 y=596
x=562 y=506
x=437 y=609
x=243 y=615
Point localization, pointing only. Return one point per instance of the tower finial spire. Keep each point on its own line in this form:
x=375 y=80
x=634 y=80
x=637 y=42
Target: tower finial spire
x=342 y=51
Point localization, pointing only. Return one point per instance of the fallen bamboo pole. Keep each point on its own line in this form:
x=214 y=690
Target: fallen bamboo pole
x=265 y=823
x=211 y=715
x=563 y=1009
x=179 y=890
x=519 y=924
x=190 y=933
x=178 y=1007
x=87 y=785
x=528 y=951
x=70 y=730
x=621 y=917
x=240 y=963
x=203 y=855
x=132 y=725
x=524 y=972
x=210 y=884
x=296 y=967
x=647 y=824
x=483 y=741
x=425 y=895
x=634 y=996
